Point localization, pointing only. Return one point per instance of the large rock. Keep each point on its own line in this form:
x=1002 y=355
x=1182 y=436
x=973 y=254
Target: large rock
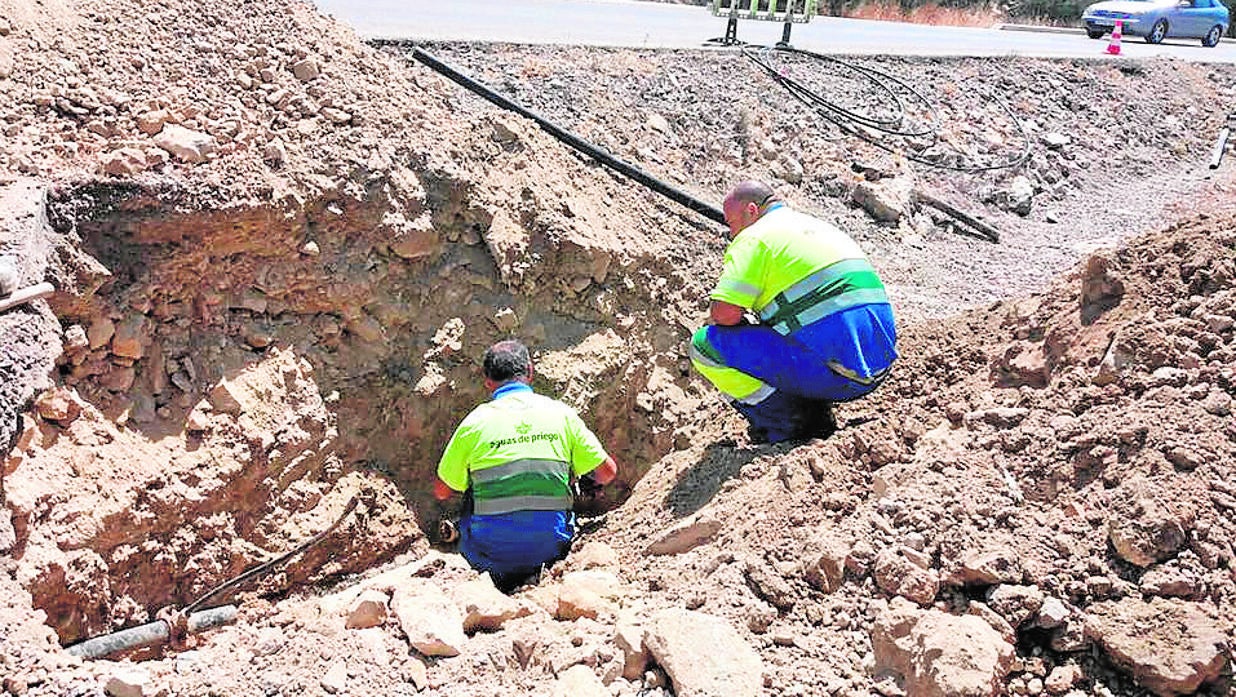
x=895 y=574
x=629 y=638
x=31 y=335
x=886 y=200
x=1170 y=646
x=987 y=568
x=432 y=623
x=588 y=594
x=1148 y=528
x=184 y=144
x=579 y=681
x=1014 y=603
x=60 y=404
x=1018 y=197
x=594 y=555
x=484 y=606
x=368 y=610
x=685 y=536
x=825 y=568
x=936 y=654
x=703 y=655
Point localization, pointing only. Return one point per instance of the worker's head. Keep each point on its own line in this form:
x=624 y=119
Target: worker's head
x=745 y=203
x=506 y=361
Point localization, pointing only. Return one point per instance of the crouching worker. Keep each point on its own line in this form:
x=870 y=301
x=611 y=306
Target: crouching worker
x=515 y=456
x=825 y=328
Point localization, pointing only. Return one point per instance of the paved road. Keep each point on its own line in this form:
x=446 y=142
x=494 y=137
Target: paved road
x=665 y=25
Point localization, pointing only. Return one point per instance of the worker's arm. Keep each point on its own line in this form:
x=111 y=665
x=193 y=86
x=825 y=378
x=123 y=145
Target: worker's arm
x=441 y=491
x=605 y=472
x=725 y=314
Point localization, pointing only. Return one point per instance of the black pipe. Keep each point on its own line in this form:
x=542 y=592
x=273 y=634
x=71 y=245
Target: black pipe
x=600 y=155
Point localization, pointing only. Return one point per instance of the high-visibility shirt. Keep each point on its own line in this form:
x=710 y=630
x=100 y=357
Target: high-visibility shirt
x=518 y=452
x=793 y=269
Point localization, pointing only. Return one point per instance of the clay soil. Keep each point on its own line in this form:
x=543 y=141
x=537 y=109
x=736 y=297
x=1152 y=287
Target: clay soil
x=278 y=253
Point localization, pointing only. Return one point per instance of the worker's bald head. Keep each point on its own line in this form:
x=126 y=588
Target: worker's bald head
x=745 y=203
x=506 y=361
x=751 y=191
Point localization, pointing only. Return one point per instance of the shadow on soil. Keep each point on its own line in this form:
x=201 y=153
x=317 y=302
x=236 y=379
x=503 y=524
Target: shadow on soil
x=698 y=484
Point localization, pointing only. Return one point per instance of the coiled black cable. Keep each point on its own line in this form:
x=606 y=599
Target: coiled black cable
x=900 y=94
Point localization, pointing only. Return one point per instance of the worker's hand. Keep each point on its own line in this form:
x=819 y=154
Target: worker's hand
x=725 y=314
x=441 y=491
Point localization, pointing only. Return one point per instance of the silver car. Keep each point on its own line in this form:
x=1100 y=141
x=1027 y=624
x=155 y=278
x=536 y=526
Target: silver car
x=1156 y=20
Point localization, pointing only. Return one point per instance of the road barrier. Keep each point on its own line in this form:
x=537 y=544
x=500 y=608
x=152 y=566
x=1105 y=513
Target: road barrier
x=790 y=12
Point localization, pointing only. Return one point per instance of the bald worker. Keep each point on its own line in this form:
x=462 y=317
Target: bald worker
x=822 y=330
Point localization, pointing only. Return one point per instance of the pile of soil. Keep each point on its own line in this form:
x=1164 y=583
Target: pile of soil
x=279 y=252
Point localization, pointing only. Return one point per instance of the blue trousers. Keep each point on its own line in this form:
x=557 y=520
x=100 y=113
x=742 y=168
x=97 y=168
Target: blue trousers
x=839 y=358
x=514 y=546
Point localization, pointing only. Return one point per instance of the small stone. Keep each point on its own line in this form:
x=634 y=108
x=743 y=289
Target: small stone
x=506 y=319
x=579 y=681
x=186 y=145
x=1062 y=678
x=9 y=277
x=310 y=249
x=336 y=115
x=127 y=683
x=275 y=153
x=124 y=162
x=336 y=678
x=75 y=340
x=1053 y=613
x=655 y=680
x=152 y=122
x=896 y=574
x=306 y=70
x=197 y=422
x=1055 y=141
x=368 y=610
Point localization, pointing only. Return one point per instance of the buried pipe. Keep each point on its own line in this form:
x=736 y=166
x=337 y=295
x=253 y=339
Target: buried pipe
x=25 y=295
x=178 y=623
x=1220 y=147
x=159 y=632
x=602 y=156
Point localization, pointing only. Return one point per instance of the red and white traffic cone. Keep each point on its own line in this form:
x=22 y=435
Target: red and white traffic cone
x=1113 y=46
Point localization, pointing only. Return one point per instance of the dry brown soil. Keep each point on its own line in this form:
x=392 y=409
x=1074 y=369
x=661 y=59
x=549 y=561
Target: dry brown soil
x=278 y=253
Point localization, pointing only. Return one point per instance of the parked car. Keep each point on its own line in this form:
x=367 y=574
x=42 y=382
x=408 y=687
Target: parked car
x=1156 y=20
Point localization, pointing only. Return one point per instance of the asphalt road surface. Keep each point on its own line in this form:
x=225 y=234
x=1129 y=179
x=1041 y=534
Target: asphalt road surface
x=627 y=23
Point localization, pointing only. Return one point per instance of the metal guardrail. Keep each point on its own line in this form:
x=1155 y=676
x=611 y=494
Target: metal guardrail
x=790 y=12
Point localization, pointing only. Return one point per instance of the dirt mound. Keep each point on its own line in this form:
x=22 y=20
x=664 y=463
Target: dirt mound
x=278 y=253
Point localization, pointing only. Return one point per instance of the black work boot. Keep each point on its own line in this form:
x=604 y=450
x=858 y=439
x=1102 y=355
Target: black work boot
x=817 y=420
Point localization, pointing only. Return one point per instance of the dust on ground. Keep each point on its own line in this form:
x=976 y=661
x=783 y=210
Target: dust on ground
x=278 y=252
